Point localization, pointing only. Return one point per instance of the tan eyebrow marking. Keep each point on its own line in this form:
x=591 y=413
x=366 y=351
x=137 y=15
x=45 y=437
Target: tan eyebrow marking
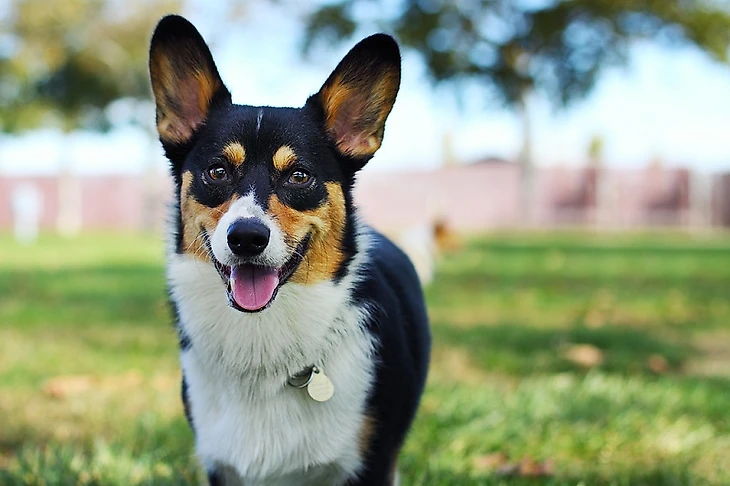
x=235 y=153
x=284 y=158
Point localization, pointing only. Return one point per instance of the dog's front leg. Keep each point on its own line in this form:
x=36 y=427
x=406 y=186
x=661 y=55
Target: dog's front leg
x=215 y=478
x=377 y=475
x=224 y=476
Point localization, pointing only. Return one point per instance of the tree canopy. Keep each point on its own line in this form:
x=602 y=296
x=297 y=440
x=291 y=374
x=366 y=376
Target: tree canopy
x=515 y=46
x=62 y=63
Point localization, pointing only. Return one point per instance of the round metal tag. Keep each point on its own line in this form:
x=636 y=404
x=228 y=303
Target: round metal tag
x=320 y=388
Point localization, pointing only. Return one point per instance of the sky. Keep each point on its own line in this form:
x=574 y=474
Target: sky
x=665 y=105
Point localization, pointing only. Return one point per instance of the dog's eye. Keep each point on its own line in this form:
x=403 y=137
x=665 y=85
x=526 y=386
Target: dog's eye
x=299 y=178
x=217 y=173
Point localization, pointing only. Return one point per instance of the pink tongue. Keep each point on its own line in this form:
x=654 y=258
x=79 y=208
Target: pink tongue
x=253 y=286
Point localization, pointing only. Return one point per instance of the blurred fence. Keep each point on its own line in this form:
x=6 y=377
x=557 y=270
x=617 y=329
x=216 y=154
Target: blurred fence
x=470 y=197
x=487 y=196
x=70 y=203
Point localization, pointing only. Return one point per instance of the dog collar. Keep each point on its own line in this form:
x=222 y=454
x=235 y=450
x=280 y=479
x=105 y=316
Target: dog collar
x=319 y=387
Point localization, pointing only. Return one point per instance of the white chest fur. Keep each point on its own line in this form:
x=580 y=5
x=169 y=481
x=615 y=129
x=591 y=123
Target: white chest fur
x=245 y=415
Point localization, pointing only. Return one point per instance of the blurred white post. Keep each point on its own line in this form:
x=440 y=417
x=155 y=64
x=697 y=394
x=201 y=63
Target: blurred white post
x=699 y=201
x=27 y=202
x=68 y=223
x=448 y=154
x=526 y=163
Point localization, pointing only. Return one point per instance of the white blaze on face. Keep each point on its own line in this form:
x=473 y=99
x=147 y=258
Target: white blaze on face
x=276 y=252
x=252 y=282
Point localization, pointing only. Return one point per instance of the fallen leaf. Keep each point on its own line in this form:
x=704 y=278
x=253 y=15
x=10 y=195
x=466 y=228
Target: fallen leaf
x=490 y=462
x=63 y=386
x=658 y=363
x=527 y=468
x=585 y=355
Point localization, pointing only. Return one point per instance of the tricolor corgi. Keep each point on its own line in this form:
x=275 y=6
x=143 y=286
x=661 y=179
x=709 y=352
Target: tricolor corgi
x=303 y=333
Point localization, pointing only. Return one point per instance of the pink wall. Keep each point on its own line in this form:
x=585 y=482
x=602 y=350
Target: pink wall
x=106 y=202
x=467 y=197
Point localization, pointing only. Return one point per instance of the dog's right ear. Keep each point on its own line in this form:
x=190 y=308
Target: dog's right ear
x=185 y=81
x=358 y=96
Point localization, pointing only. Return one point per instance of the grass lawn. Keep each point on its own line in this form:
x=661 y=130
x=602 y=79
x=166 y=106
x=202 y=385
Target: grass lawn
x=558 y=360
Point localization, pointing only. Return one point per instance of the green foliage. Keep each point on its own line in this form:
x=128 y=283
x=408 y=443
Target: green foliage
x=89 y=373
x=512 y=47
x=63 y=63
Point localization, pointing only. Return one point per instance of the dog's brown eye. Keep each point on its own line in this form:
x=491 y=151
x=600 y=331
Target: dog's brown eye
x=299 y=177
x=217 y=173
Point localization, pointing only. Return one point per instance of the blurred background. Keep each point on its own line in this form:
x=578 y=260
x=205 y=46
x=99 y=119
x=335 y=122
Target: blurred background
x=559 y=172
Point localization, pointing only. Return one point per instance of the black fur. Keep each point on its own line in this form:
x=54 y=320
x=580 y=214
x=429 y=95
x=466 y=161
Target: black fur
x=392 y=292
x=297 y=128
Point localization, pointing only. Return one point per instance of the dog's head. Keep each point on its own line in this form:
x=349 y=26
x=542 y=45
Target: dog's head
x=264 y=193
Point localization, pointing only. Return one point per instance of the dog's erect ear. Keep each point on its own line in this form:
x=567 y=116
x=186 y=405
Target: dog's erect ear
x=185 y=81
x=358 y=96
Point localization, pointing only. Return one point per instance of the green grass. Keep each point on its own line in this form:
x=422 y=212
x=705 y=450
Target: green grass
x=89 y=378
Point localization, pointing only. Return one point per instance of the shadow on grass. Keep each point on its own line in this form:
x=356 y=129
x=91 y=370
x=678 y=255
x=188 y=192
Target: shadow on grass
x=150 y=453
x=112 y=465
x=521 y=349
x=699 y=287
x=104 y=294
x=594 y=243
x=669 y=476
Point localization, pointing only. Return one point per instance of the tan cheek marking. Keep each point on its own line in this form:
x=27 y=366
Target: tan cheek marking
x=294 y=224
x=327 y=225
x=235 y=153
x=284 y=158
x=197 y=217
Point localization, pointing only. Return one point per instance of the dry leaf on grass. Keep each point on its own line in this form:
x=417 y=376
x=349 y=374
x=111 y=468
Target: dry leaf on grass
x=60 y=387
x=585 y=355
x=64 y=386
x=658 y=363
x=527 y=468
x=490 y=462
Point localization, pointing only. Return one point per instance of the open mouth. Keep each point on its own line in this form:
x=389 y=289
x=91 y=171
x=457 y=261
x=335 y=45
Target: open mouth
x=251 y=287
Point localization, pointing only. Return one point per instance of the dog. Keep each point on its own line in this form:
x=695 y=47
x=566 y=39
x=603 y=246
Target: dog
x=303 y=332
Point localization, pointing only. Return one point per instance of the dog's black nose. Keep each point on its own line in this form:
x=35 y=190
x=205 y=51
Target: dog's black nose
x=248 y=237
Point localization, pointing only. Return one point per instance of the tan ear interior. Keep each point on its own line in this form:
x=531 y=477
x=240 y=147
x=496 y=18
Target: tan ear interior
x=182 y=94
x=356 y=110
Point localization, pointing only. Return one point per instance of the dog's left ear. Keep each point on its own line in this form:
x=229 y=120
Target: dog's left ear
x=357 y=97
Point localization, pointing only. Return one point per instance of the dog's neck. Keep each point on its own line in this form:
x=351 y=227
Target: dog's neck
x=304 y=325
